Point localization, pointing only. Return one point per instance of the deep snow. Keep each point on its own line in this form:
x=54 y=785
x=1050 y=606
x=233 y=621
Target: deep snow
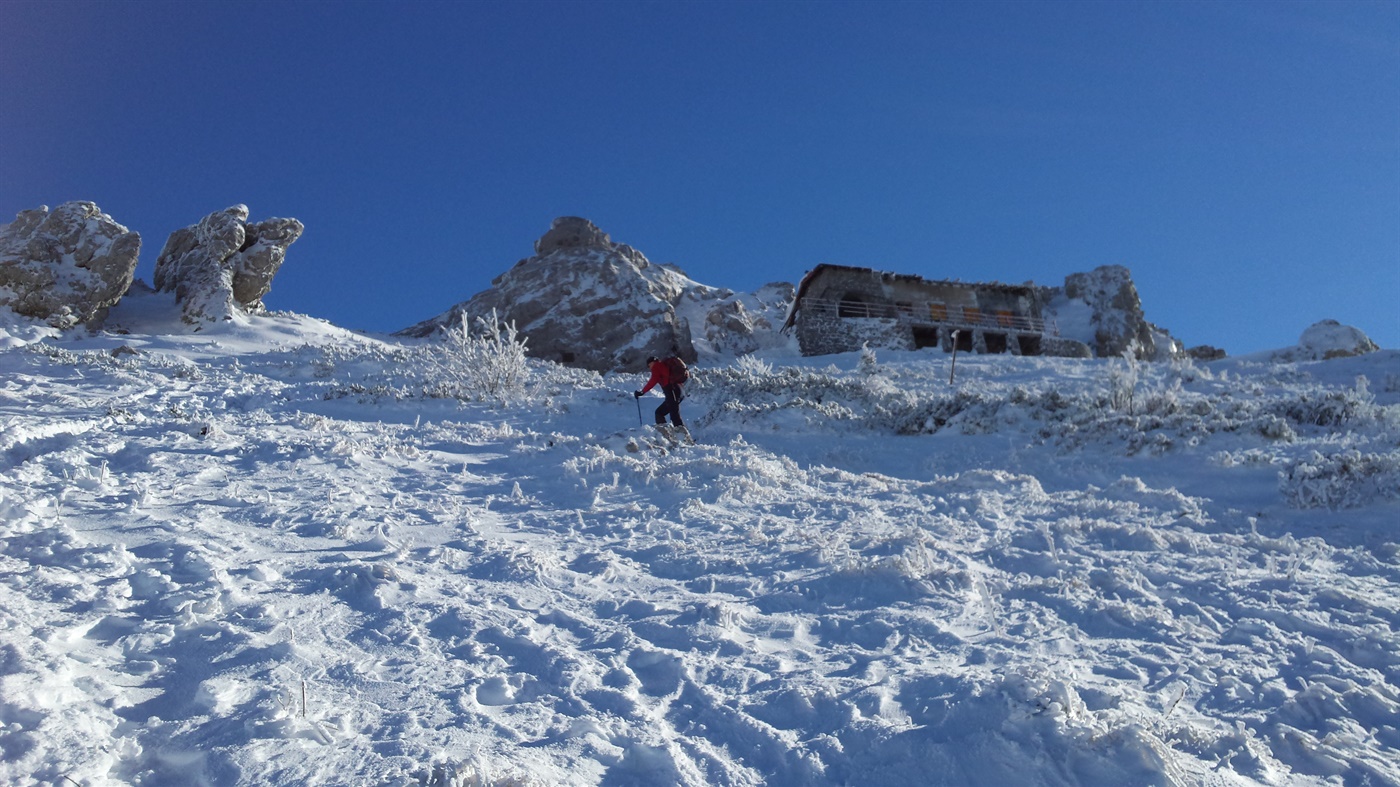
x=257 y=554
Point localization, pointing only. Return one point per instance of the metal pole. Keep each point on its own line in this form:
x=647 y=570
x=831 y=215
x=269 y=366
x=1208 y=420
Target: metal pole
x=638 y=400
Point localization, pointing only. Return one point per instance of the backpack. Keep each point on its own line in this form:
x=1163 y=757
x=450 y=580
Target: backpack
x=678 y=370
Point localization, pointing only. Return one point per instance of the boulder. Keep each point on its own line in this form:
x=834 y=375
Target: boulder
x=223 y=264
x=66 y=267
x=584 y=301
x=1102 y=309
x=1329 y=339
x=1205 y=352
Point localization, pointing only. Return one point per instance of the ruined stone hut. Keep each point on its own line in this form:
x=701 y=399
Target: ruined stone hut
x=840 y=308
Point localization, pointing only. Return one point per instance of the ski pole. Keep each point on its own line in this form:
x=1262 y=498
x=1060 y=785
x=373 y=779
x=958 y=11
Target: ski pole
x=638 y=400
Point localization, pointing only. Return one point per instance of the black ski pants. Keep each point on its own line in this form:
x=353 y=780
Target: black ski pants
x=672 y=405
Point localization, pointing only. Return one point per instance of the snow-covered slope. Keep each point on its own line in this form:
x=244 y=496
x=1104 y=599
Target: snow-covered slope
x=263 y=553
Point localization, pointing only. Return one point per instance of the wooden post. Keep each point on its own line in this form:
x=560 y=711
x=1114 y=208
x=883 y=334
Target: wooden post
x=953 y=367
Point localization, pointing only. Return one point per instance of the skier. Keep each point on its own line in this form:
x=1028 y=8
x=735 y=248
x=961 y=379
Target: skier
x=669 y=374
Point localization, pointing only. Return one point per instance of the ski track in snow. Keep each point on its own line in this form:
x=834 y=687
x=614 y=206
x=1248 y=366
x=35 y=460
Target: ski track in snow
x=212 y=574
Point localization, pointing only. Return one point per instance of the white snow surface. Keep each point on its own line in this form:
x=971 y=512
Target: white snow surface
x=258 y=553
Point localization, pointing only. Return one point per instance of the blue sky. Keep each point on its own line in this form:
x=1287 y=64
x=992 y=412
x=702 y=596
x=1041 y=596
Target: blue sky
x=1242 y=159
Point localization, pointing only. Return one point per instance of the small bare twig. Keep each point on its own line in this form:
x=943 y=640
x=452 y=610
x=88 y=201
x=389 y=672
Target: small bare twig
x=1180 y=693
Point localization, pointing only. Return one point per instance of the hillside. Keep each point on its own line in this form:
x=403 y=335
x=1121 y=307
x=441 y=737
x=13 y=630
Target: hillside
x=277 y=552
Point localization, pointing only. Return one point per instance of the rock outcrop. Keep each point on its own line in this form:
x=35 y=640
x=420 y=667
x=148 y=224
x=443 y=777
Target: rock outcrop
x=68 y=266
x=586 y=301
x=1102 y=309
x=1328 y=339
x=572 y=232
x=725 y=323
x=224 y=264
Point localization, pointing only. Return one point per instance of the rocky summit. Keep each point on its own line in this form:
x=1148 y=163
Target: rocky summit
x=587 y=301
x=66 y=266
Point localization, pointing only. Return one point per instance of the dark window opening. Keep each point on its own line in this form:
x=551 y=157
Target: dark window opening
x=925 y=337
x=566 y=357
x=854 y=305
x=963 y=340
x=1030 y=345
x=996 y=342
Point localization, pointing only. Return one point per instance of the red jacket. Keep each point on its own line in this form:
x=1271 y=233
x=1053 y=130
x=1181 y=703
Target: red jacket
x=660 y=375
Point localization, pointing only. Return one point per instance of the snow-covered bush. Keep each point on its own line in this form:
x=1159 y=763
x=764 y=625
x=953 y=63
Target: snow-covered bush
x=1185 y=371
x=1275 y=428
x=484 y=365
x=1348 y=479
x=1122 y=383
x=1331 y=407
x=867 y=365
x=754 y=366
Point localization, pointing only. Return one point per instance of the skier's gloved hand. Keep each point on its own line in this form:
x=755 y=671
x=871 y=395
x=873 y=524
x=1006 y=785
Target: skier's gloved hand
x=637 y=394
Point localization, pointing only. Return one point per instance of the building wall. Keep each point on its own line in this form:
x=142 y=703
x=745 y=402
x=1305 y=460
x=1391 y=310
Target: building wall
x=824 y=334
x=820 y=332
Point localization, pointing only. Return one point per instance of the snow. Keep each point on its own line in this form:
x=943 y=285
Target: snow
x=259 y=553
x=1072 y=318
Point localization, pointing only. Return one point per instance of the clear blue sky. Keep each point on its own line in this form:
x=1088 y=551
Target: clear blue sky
x=1242 y=158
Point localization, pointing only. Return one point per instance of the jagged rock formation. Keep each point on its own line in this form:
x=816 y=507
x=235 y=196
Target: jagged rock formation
x=68 y=266
x=223 y=263
x=1325 y=340
x=586 y=301
x=1102 y=309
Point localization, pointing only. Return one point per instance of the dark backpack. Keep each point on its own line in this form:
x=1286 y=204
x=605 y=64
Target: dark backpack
x=678 y=370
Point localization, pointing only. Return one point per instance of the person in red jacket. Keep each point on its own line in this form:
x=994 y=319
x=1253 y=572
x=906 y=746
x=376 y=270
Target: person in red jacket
x=671 y=388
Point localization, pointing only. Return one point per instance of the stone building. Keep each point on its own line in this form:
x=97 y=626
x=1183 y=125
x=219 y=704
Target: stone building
x=839 y=308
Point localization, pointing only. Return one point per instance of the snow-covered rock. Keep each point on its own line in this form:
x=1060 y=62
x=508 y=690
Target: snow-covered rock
x=1328 y=339
x=68 y=266
x=728 y=324
x=223 y=263
x=586 y=301
x=1102 y=308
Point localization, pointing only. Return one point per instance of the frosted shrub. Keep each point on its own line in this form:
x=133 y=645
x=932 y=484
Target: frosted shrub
x=867 y=364
x=1275 y=428
x=1332 y=408
x=88 y=358
x=1122 y=383
x=753 y=366
x=974 y=413
x=488 y=365
x=1185 y=370
x=1164 y=403
x=1348 y=479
